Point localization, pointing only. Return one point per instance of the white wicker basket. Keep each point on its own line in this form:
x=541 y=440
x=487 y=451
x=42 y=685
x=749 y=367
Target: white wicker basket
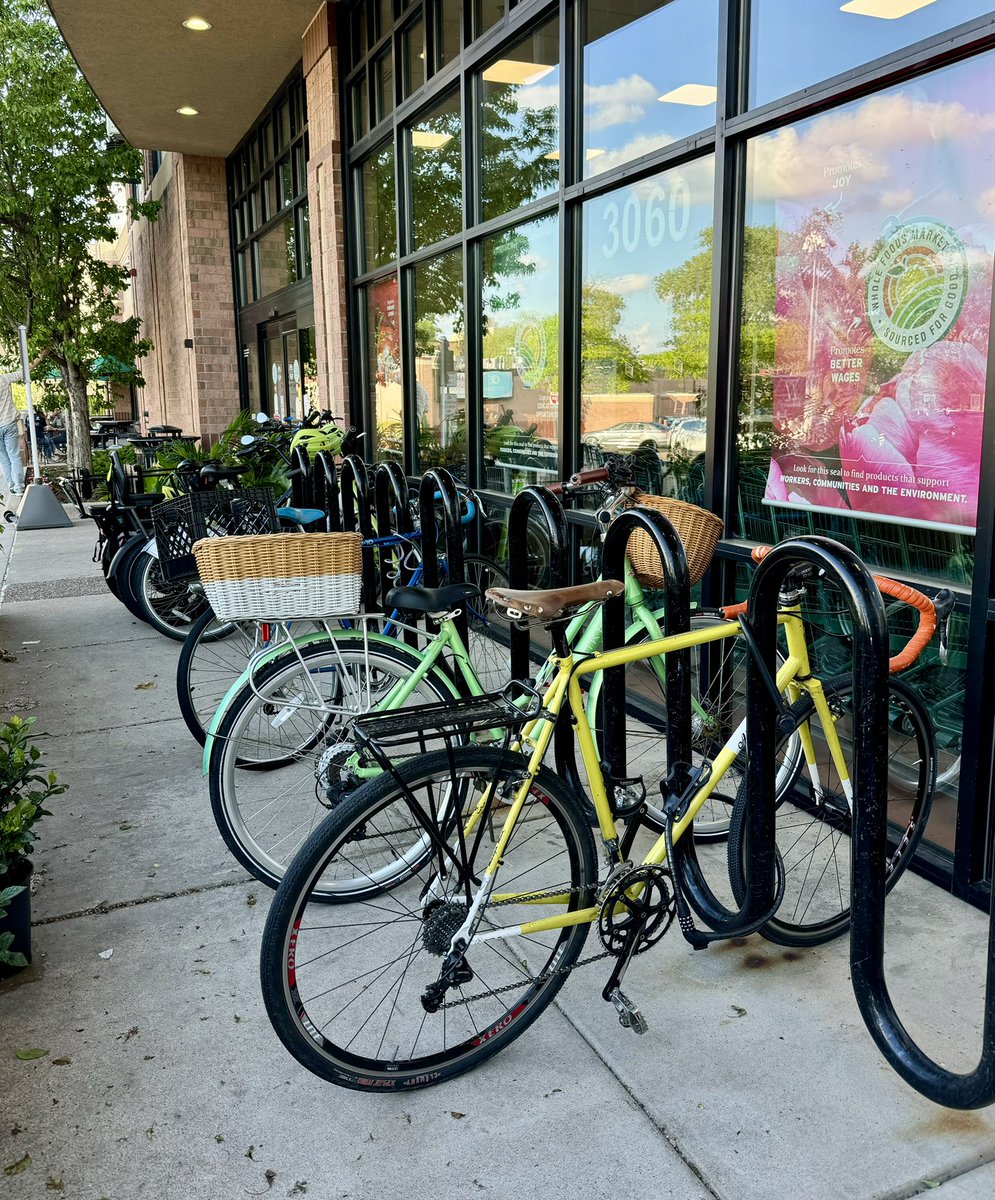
x=282 y=577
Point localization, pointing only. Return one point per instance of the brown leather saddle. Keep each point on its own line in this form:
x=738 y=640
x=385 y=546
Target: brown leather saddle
x=554 y=604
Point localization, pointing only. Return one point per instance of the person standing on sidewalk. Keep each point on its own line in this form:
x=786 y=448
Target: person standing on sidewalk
x=10 y=430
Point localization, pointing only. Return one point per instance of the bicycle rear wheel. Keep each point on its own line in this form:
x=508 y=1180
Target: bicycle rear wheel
x=813 y=833
x=489 y=630
x=170 y=607
x=343 y=986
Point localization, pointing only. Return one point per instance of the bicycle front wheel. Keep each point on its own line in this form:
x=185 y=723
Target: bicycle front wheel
x=814 y=820
x=293 y=723
x=344 y=986
x=169 y=607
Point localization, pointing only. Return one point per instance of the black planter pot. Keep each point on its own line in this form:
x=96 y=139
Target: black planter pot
x=18 y=916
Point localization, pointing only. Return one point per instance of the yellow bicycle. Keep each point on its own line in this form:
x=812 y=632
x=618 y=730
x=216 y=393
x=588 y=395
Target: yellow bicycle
x=466 y=879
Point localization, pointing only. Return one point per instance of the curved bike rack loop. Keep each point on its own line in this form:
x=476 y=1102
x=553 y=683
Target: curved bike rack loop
x=301 y=492
x=551 y=511
x=438 y=488
x=356 y=516
x=325 y=489
x=973 y=1089
x=390 y=492
x=677 y=619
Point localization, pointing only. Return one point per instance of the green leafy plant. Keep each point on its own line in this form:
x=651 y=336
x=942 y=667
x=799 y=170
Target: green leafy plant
x=24 y=789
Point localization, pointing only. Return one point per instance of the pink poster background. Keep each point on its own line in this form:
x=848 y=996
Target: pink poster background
x=885 y=216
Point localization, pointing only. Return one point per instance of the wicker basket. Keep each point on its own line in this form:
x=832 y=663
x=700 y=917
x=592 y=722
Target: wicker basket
x=279 y=577
x=700 y=531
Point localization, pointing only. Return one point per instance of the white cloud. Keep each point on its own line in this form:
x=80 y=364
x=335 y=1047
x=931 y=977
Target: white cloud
x=627 y=285
x=896 y=199
x=632 y=149
x=793 y=163
x=986 y=203
x=618 y=103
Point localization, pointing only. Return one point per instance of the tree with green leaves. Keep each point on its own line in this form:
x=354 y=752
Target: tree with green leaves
x=62 y=180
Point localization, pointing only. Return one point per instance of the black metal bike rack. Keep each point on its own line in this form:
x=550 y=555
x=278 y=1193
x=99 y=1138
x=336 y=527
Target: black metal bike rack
x=438 y=491
x=390 y=491
x=545 y=503
x=301 y=495
x=357 y=517
x=325 y=490
x=550 y=510
x=676 y=619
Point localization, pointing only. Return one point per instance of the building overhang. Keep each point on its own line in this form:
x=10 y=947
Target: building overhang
x=144 y=64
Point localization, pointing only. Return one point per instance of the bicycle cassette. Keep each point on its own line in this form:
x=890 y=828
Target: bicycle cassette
x=637 y=903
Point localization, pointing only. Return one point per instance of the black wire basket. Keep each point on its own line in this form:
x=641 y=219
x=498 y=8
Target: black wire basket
x=219 y=512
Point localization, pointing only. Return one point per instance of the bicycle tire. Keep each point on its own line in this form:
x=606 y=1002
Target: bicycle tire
x=254 y=809
x=170 y=608
x=814 y=839
x=290 y=963
x=119 y=574
x=198 y=690
x=722 y=705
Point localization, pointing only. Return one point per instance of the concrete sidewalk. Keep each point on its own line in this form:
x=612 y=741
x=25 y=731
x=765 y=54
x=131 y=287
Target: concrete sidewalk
x=163 y=1079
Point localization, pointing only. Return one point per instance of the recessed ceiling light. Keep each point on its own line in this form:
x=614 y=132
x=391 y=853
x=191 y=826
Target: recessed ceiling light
x=197 y=24
x=887 y=10
x=554 y=155
x=428 y=140
x=697 y=94
x=187 y=110
x=510 y=70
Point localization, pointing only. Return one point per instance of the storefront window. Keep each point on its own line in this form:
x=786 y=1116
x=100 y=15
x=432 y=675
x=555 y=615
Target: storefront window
x=440 y=365
x=383 y=342
x=637 y=98
x=447 y=17
x=520 y=381
x=277 y=258
x=383 y=94
x=436 y=157
x=520 y=123
x=413 y=58
x=486 y=13
x=379 y=208
x=789 y=53
x=866 y=306
x=645 y=313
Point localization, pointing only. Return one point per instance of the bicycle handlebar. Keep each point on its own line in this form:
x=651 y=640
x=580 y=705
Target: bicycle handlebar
x=889 y=587
x=578 y=480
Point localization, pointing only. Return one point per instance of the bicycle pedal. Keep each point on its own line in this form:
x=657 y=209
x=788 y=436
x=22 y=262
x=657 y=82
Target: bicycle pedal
x=629 y=1016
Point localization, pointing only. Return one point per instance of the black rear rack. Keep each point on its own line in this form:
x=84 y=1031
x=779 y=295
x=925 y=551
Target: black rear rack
x=450 y=719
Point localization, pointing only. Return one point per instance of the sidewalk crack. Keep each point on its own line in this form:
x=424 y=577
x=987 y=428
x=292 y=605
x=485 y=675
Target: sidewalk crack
x=104 y=907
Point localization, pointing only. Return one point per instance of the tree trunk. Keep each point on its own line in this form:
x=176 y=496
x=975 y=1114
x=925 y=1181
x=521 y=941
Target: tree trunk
x=78 y=448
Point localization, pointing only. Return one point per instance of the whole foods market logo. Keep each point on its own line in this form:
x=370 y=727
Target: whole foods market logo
x=917 y=285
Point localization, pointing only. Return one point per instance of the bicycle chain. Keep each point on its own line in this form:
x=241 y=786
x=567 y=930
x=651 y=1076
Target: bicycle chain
x=541 y=978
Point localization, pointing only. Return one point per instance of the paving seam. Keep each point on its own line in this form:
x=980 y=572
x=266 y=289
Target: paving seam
x=920 y=1189
x=661 y=1129
x=99 y=910
x=73 y=733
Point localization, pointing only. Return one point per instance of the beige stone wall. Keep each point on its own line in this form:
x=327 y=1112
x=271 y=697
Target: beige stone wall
x=325 y=205
x=183 y=291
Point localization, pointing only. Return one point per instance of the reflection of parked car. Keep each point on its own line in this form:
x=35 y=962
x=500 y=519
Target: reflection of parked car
x=627 y=435
x=689 y=435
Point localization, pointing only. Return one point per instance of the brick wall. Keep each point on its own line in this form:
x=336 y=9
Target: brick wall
x=325 y=207
x=183 y=291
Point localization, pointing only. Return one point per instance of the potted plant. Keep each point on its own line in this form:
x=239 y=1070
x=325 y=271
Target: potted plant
x=24 y=788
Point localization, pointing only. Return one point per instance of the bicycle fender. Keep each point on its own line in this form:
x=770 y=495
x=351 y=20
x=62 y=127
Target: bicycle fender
x=270 y=655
